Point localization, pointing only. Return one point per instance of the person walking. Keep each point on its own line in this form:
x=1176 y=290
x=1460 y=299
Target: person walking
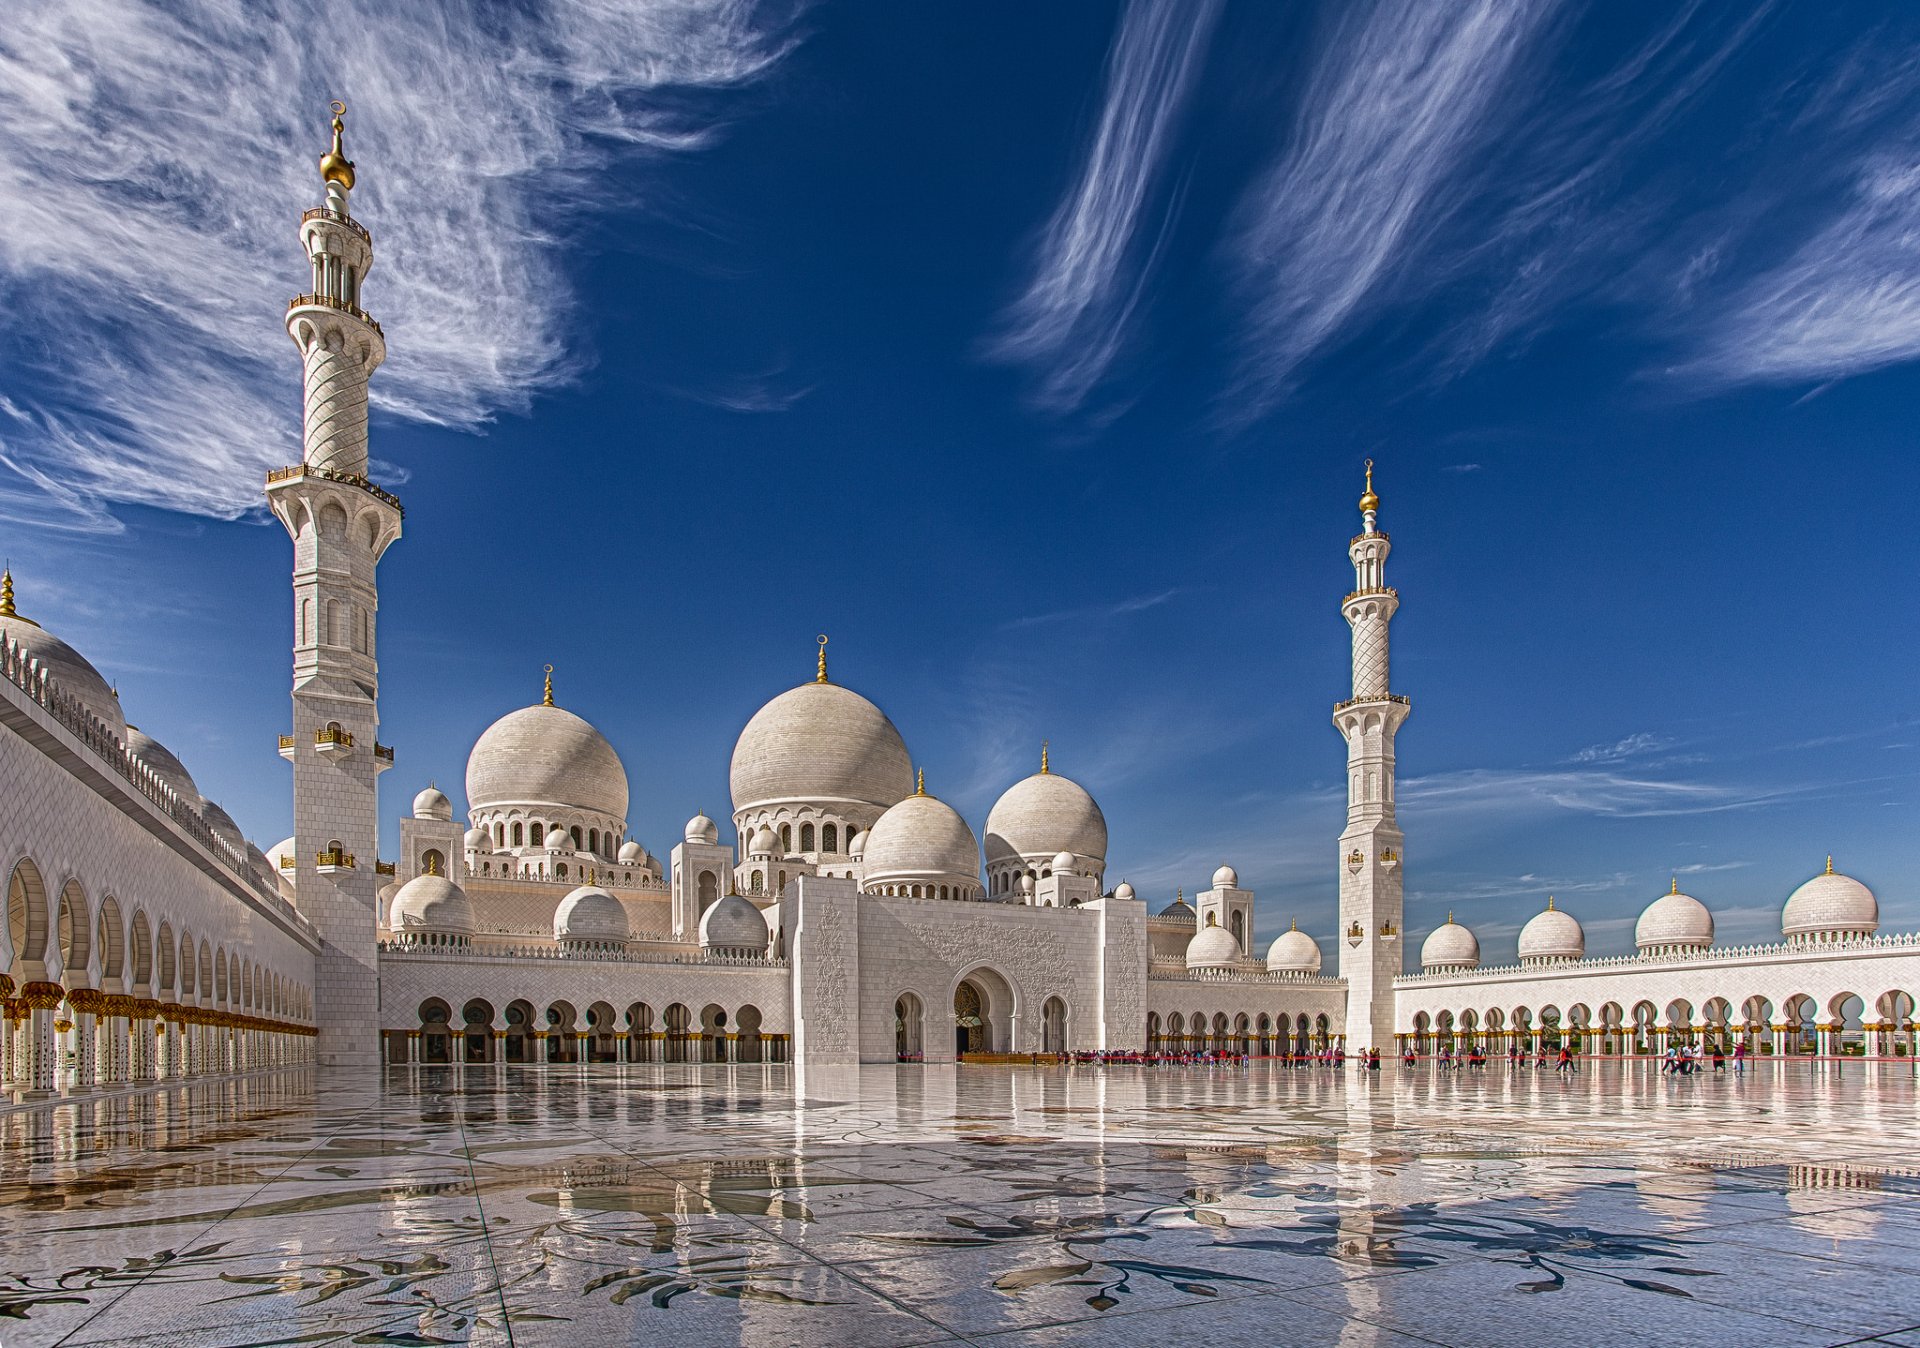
x=1739 y=1058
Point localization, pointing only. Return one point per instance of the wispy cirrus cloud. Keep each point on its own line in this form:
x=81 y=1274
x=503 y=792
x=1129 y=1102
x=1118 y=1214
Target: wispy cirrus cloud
x=1637 y=745
x=1118 y=608
x=1093 y=258
x=157 y=157
x=1507 y=794
x=1400 y=93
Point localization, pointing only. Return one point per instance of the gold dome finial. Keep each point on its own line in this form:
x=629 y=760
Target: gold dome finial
x=821 y=676
x=335 y=167
x=433 y=862
x=1829 y=863
x=546 y=698
x=1549 y=903
x=1369 y=501
x=1449 y=917
x=1045 y=767
x=920 y=783
x=1676 y=886
x=1294 y=925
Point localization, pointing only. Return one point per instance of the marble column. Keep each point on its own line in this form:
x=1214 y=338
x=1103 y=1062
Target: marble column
x=86 y=1070
x=37 y=1071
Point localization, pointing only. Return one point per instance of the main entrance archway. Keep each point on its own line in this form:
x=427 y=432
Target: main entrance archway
x=983 y=1013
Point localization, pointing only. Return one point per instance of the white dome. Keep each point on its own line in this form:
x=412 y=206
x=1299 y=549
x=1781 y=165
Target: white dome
x=1552 y=935
x=1293 y=952
x=546 y=756
x=1042 y=815
x=478 y=840
x=223 y=826
x=733 y=924
x=1026 y=883
x=632 y=853
x=1674 y=920
x=701 y=829
x=823 y=744
x=431 y=903
x=922 y=838
x=1226 y=878
x=1451 y=946
x=764 y=843
x=165 y=766
x=69 y=671
x=432 y=804
x=1831 y=905
x=589 y=913
x=1062 y=863
x=858 y=845
x=1123 y=890
x=1212 y=948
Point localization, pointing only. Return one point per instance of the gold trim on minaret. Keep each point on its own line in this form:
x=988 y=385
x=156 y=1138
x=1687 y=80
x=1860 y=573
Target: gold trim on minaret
x=821 y=676
x=1369 y=501
x=335 y=167
x=546 y=698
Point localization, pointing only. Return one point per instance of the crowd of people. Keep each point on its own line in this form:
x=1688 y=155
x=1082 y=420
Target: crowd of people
x=1679 y=1059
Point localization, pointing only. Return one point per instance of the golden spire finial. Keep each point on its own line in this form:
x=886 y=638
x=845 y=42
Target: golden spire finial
x=546 y=698
x=1829 y=863
x=1449 y=917
x=821 y=677
x=1045 y=767
x=6 y=594
x=335 y=167
x=1369 y=501
x=920 y=783
x=433 y=863
x=1294 y=925
x=1676 y=886
x=1549 y=903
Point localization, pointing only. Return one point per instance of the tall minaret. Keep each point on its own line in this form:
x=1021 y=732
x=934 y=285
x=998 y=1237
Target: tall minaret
x=1370 y=847
x=341 y=524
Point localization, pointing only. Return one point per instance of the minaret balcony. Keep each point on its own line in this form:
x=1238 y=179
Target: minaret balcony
x=340 y=306
x=1371 y=590
x=332 y=743
x=298 y=471
x=384 y=868
x=337 y=218
x=332 y=860
x=1400 y=698
x=382 y=756
x=286 y=747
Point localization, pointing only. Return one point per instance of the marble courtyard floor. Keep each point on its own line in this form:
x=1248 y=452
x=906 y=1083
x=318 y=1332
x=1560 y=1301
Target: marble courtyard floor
x=689 y=1206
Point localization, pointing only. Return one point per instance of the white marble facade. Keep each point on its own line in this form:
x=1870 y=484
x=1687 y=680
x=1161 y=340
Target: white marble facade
x=853 y=916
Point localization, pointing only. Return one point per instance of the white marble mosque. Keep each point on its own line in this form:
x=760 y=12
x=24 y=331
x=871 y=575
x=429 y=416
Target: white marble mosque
x=845 y=915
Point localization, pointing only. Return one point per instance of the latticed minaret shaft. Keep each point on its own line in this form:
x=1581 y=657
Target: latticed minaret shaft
x=1371 y=864
x=340 y=524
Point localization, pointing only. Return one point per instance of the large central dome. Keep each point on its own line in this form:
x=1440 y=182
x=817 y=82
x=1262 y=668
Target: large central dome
x=820 y=743
x=546 y=756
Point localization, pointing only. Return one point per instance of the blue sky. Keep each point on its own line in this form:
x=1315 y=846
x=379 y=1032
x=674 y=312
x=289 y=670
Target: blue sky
x=1032 y=352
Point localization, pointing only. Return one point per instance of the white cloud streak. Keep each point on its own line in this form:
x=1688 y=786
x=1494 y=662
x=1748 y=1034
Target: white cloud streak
x=156 y=161
x=1401 y=92
x=1092 y=261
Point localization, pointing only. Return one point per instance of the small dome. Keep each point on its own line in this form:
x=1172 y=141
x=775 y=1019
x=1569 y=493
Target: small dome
x=478 y=840
x=223 y=826
x=701 y=829
x=1123 y=890
x=431 y=903
x=1451 y=946
x=1293 y=952
x=384 y=897
x=1226 y=878
x=1063 y=863
x=545 y=755
x=1674 y=920
x=1046 y=814
x=589 y=913
x=733 y=924
x=764 y=842
x=1552 y=936
x=1831 y=905
x=857 y=846
x=822 y=744
x=1026 y=883
x=164 y=765
x=632 y=853
x=66 y=668
x=923 y=839
x=1179 y=908
x=1212 y=948
x=432 y=804
x=560 y=840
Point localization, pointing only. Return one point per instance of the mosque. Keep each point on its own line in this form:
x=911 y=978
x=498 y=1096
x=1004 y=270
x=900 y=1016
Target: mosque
x=853 y=918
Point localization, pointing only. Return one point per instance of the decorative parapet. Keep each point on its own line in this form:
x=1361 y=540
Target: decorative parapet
x=384 y=868
x=333 y=859
x=598 y=955
x=332 y=736
x=1401 y=698
x=335 y=217
x=1369 y=592
x=33 y=680
x=383 y=752
x=329 y=302
x=1854 y=945
x=1174 y=970
x=294 y=472
x=286 y=742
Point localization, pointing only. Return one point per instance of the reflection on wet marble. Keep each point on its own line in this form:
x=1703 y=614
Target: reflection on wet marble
x=757 y=1205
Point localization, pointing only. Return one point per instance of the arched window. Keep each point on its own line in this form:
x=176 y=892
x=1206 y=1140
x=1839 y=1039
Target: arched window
x=432 y=863
x=519 y=835
x=759 y=881
x=306 y=621
x=1210 y=920
x=786 y=838
x=709 y=889
x=829 y=838
x=539 y=831
x=783 y=882
x=578 y=841
x=560 y=871
x=806 y=837
x=593 y=841
x=333 y=622
x=1240 y=929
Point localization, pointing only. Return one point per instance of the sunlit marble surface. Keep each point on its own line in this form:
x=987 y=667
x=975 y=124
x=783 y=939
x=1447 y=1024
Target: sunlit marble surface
x=753 y=1205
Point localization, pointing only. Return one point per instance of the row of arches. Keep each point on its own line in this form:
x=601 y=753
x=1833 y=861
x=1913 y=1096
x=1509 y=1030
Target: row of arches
x=80 y=973
x=1845 y=1023
x=1256 y=1036
x=526 y=1033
